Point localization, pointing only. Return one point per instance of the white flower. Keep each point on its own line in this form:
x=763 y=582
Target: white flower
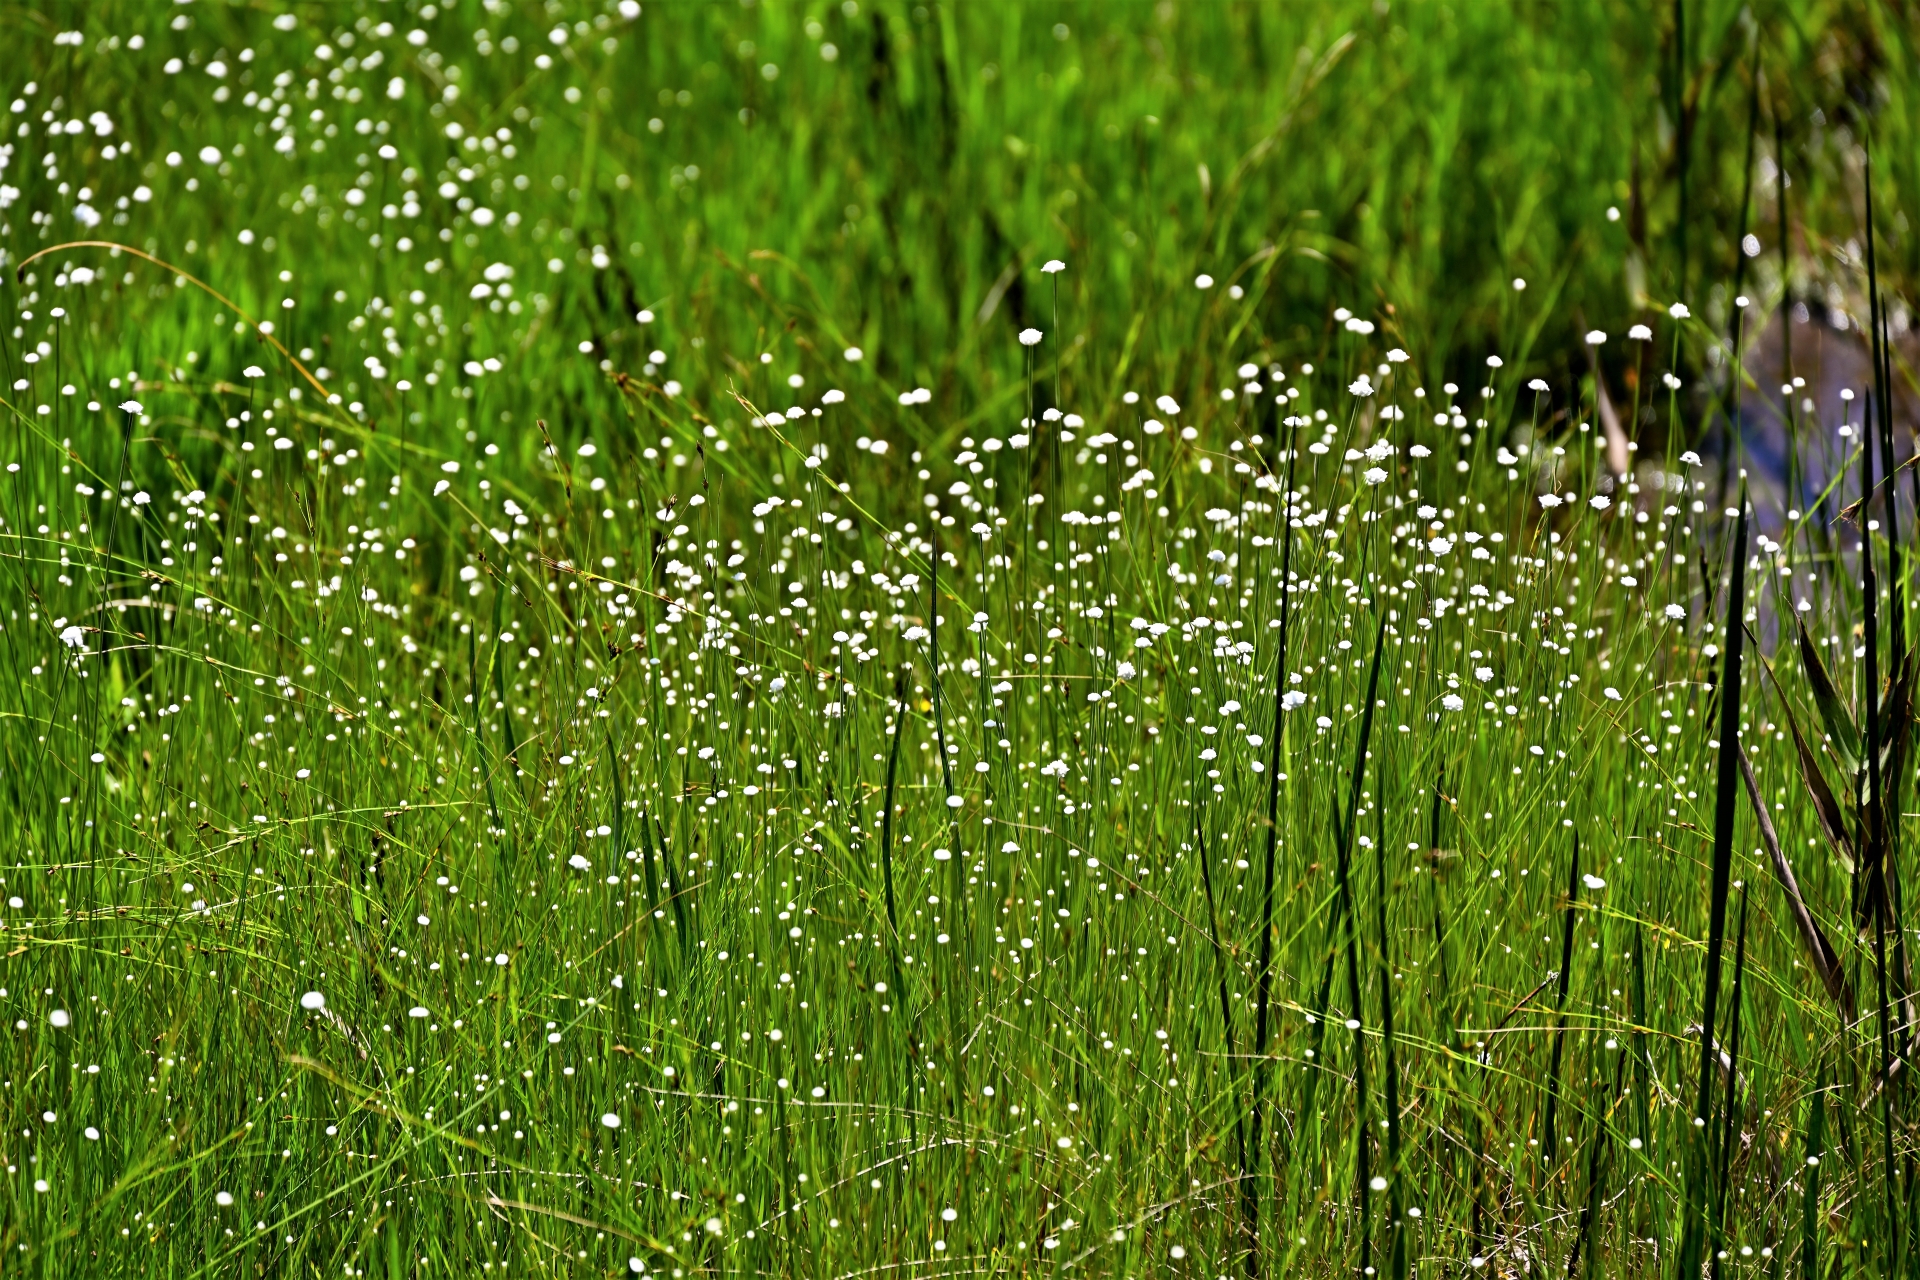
x=60 y=1018
x=1494 y=362
x=418 y=1011
x=1679 y=311
x=1167 y=405
x=1610 y=693
x=1292 y=699
x=1030 y=337
x=313 y=1002
x=1537 y=384
x=1453 y=702
x=1483 y=674
x=73 y=637
x=1691 y=458
x=579 y=862
x=253 y=371
x=209 y=155
x=1600 y=502
x=1595 y=337
x=611 y=1120
x=1374 y=475
x=131 y=406
x=1549 y=500
x=853 y=355
x=1053 y=266
x=1640 y=333
x=1397 y=356
x=224 y=1199
x=1360 y=386
x=1675 y=612
x=1419 y=451
x=1125 y=671
x=1203 y=281
x=1593 y=882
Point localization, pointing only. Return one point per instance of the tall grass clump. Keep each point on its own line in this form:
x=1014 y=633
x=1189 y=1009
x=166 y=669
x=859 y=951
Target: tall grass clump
x=811 y=642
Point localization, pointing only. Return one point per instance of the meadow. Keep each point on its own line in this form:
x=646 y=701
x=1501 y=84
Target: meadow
x=876 y=638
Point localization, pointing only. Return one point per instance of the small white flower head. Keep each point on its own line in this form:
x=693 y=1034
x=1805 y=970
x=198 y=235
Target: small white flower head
x=1549 y=500
x=1600 y=502
x=1419 y=451
x=132 y=406
x=1030 y=337
x=1453 y=702
x=224 y=1199
x=579 y=862
x=1292 y=700
x=853 y=355
x=209 y=155
x=1374 y=475
x=1380 y=450
x=1640 y=333
x=1167 y=405
x=1679 y=311
x=610 y=1120
x=1537 y=384
x=60 y=1018
x=1361 y=386
x=1593 y=882
x=1397 y=356
x=1675 y=612
x=418 y=1011
x=1519 y=285
x=1053 y=266
x=1494 y=362
x=253 y=371
x=1610 y=693
x=313 y=1002
x=1203 y=281
x=1596 y=337
x=73 y=637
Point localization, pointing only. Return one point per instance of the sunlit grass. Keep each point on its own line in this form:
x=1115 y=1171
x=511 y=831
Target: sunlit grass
x=543 y=739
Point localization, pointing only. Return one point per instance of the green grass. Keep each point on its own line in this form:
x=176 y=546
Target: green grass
x=555 y=815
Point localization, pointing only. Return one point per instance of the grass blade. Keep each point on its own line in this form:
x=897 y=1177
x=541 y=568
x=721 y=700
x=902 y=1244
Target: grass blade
x=1820 y=953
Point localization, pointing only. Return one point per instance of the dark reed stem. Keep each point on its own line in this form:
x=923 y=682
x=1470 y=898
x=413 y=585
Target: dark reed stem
x=1726 y=795
x=1264 y=978
x=1552 y=1151
x=1344 y=834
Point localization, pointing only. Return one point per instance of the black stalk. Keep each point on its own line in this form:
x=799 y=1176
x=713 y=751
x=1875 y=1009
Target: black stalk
x=1250 y=1206
x=1552 y=1152
x=1344 y=834
x=1726 y=795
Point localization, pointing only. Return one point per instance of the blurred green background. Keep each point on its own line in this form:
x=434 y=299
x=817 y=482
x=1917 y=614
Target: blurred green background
x=797 y=178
